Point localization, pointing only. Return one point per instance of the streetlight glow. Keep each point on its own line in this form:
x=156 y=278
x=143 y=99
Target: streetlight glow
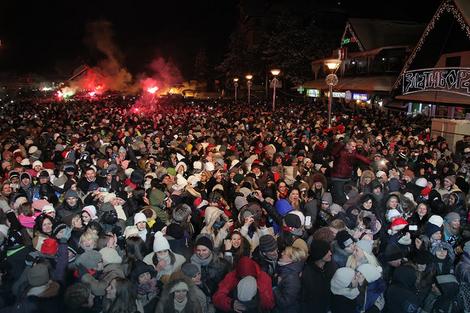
x=332 y=64
x=331 y=80
x=248 y=84
x=235 y=84
x=275 y=72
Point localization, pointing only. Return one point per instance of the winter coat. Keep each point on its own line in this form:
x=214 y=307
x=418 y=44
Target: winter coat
x=246 y=267
x=179 y=261
x=165 y=305
x=65 y=210
x=344 y=161
x=342 y=304
x=99 y=284
x=42 y=299
x=401 y=295
x=288 y=290
x=212 y=214
x=374 y=291
x=213 y=273
x=462 y=270
x=316 y=292
x=267 y=266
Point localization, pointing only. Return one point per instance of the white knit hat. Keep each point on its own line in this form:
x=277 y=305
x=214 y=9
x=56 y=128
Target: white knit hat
x=48 y=208
x=160 y=243
x=91 y=210
x=209 y=166
x=197 y=165
x=370 y=272
x=436 y=220
x=139 y=217
x=392 y=213
x=421 y=182
x=37 y=163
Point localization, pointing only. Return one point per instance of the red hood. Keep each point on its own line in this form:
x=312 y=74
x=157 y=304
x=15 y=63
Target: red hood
x=247 y=267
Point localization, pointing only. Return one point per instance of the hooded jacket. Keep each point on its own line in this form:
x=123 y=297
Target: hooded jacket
x=288 y=291
x=211 y=215
x=246 y=267
x=401 y=296
x=165 y=304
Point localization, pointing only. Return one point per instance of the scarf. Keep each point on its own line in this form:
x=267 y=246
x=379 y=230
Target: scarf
x=168 y=269
x=179 y=306
x=195 y=259
x=143 y=234
x=37 y=291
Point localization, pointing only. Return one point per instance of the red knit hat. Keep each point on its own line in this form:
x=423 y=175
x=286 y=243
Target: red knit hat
x=49 y=247
x=397 y=225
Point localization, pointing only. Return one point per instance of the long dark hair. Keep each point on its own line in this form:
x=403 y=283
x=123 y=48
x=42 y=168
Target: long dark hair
x=126 y=296
x=135 y=250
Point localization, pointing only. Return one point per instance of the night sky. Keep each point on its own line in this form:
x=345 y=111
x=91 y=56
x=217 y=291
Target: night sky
x=49 y=37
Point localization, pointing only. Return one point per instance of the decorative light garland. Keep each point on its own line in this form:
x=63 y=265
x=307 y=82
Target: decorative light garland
x=349 y=28
x=447 y=6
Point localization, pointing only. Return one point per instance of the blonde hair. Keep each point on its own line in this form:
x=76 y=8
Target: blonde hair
x=295 y=254
x=91 y=235
x=353 y=262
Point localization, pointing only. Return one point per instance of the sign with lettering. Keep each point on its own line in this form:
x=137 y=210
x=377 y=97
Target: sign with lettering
x=314 y=93
x=338 y=94
x=450 y=79
x=360 y=96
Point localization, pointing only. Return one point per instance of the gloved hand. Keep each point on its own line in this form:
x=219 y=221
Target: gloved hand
x=66 y=235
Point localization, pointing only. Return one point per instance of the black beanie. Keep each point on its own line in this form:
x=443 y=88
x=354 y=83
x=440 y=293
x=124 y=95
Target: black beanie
x=318 y=249
x=205 y=241
x=344 y=239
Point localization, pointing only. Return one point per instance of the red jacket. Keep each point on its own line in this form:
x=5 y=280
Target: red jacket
x=246 y=267
x=344 y=161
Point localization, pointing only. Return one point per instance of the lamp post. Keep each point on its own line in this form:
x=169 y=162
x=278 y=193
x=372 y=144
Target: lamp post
x=248 y=84
x=331 y=80
x=235 y=83
x=275 y=72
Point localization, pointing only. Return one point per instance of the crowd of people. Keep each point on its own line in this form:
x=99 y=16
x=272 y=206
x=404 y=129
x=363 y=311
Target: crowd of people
x=217 y=207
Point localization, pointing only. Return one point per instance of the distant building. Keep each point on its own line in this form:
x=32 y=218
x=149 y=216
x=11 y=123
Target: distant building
x=436 y=76
x=373 y=53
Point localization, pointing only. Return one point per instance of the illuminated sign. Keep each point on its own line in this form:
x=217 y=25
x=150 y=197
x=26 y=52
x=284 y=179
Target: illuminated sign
x=345 y=41
x=337 y=94
x=449 y=79
x=314 y=93
x=360 y=96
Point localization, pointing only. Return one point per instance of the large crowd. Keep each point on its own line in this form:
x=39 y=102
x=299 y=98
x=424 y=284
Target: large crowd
x=217 y=207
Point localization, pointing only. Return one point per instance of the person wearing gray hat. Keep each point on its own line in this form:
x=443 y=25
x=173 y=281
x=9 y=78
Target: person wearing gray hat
x=193 y=272
x=267 y=254
x=452 y=229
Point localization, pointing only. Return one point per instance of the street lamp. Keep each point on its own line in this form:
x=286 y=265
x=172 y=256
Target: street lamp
x=235 y=83
x=331 y=80
x=275 y=73
x=249 y=83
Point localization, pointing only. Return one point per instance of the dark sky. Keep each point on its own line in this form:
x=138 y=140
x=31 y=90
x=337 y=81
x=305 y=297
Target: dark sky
x=48 y=37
